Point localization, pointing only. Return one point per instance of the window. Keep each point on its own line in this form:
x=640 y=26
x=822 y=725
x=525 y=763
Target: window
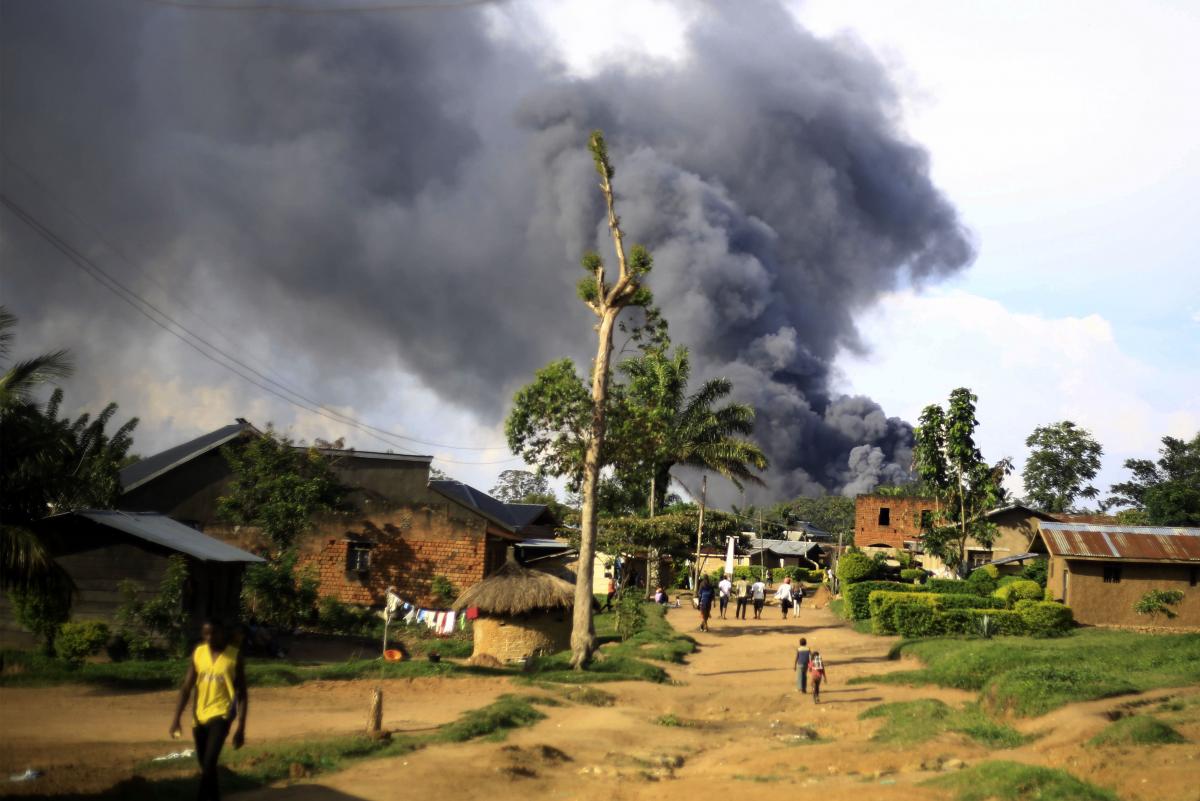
x=1112 y=574
x=979 y=558
x=926 y=519
x=885 y=516
x=358 y=558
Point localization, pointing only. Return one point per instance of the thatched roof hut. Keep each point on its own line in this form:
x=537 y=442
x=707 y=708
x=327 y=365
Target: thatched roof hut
x=522 y=612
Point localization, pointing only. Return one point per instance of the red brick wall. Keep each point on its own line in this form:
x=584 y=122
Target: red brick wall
x=406 y=562
x=904 y=523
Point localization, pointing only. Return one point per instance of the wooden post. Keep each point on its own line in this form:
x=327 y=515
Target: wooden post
x=375 y=716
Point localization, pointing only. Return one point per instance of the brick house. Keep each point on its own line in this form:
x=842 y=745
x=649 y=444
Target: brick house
x=882 y=521
x=398 y=528
x=1101 y=571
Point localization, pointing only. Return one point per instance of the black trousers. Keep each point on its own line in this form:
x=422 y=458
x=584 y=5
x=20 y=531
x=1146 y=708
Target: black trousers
x=210 y=737
x=741 y=608
x=758 y=606
x=724 y=601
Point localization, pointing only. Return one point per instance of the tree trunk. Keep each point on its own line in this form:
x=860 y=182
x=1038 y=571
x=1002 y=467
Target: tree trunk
x=652 y=557
x=583 y=637
x=375 y=715
x=700 y=527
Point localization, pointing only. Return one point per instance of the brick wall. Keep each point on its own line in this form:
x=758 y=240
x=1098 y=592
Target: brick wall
x=904 y=521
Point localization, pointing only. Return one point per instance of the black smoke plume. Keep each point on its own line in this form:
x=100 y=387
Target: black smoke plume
x=370 y=194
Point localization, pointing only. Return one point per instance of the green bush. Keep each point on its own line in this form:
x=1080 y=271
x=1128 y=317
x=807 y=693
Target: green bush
x=914 y=620
x=984 y=580
x=278 y=594
x=1036 y=571
x=858 y=595
x=952 y=585
x=1019 y=590
x=1045 y=618
x=75 y=642
x=778 y=574
x=335 y=617
x=979 y=622
x=816 y=576
x=631 y=615
x=855 y=566
x=912 y=574
x=442 y=589
x=41 y=610
x=748 y=572
x=947 y=600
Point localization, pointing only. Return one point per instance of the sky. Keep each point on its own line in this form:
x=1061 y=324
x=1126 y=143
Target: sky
x=1061 y=135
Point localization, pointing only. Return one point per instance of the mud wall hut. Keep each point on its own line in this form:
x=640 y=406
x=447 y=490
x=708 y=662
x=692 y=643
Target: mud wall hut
x=521 y=612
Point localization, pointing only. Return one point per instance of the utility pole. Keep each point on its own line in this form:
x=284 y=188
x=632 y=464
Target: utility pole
x=700 y=526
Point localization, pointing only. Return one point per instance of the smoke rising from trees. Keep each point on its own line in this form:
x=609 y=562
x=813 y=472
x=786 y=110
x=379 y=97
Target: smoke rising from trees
x=412 y=192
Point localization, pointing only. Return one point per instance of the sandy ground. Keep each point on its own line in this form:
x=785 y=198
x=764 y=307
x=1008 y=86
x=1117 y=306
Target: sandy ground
x=745 y=725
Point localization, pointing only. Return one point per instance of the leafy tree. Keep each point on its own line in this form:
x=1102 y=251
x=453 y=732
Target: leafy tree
x=279 y=595
x=607 y=301
x=144 y=625
x=277 y=487
x=965 y=486
x=549 y=422
x=1063 y=458
x=42 y=607
x=1167 y=492
x=1158 y=602
x=521 y=486
x=674 y=428
x=49 y=464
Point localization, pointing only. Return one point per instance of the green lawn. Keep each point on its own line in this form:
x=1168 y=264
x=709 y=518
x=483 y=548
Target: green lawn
x=1138 y=730
x=1013 y=781
x=630 y=660
x=1030 y=676
x=909 y=722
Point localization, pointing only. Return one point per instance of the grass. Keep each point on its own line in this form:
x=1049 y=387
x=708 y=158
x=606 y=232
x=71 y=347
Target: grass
x=36 y=670
x=909 y=722
x=621 y=660
x=672 y=721
x=1138 y=730
x=254 y=767
x=838 y=607
x=1030 y=677
x=1013 y=781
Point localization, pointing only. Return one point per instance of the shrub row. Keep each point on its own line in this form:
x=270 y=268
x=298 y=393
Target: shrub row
x=858 y=594
x=911 y=618
x=882 y=605
x=1019 y=590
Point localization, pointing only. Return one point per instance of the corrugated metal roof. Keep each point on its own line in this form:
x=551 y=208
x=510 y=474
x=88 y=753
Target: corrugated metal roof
x=1119 y=543
x=1169 y=530
x=162 y=530
x=1020 y=557
x=784 y=547
x=512 y=517
x=143 y=470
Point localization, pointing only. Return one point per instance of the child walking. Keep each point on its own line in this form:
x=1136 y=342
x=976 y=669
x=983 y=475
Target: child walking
x=816 y=672
x=803 y=657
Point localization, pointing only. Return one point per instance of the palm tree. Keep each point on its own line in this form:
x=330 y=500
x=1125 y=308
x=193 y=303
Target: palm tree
x=690 y=430
x=23 y=378
x=24 y=561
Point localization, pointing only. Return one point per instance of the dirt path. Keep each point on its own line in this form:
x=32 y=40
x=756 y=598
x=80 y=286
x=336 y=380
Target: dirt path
x=85 y=738
x=743 y=728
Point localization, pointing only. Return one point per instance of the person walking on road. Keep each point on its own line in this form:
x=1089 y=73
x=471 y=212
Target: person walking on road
x=724 y=586
x=784 y=596
x=816 y=672
x=803 y=656
x=758 y=594
x=704 y=595
x=610 y=593
x=217 y=677
x=741 y=589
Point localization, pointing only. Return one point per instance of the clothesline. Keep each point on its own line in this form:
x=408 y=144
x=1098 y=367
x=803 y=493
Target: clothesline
x=441 y=622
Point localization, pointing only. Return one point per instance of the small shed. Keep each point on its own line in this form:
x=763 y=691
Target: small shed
x=522 y=612
x=100 y=548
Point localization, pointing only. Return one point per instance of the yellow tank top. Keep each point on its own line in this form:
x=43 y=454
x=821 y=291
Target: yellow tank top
x=214 y=683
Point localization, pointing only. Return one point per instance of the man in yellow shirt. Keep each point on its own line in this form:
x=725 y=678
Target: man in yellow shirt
x=217 y=679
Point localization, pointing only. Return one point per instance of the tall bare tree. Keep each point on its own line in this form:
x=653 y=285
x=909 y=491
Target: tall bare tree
x=606 y=300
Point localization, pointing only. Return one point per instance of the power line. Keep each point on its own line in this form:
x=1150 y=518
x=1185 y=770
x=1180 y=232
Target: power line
x=140 y=305
x=171 y=296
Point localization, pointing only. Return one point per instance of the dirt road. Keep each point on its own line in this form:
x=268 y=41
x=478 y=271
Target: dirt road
x=743 y=728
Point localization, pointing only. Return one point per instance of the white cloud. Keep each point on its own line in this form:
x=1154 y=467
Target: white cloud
x=1027 y=370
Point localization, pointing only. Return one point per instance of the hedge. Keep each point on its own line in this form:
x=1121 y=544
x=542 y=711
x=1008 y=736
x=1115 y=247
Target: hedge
x=953 y=585
x=888 y=607
x=949 y=600
x=1045 y=618
x=1019 y=590
x=858 y=595
x=912 y=574
x=855 y=567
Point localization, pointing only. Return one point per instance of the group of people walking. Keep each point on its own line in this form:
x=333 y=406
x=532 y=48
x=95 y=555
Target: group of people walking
x=746 y=595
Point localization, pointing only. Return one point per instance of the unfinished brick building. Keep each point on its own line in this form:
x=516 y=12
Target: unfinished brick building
x=399 y=529
x=889 y=522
